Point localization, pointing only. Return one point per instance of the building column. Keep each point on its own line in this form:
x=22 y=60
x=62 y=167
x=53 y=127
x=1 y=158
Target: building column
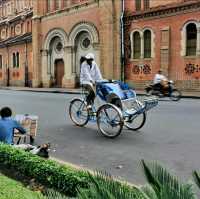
x=54 y=5
x=45 y=68
x=69 y=79
x=96 y=47
x=36 y=52
x=142 y=46
x=198 y=40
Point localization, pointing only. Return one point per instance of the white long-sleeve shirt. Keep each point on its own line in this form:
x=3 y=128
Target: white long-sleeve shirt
x=158 y=78
x=89 y=74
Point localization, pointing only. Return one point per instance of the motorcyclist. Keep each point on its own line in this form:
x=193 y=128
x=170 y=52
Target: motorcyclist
x=160 y=81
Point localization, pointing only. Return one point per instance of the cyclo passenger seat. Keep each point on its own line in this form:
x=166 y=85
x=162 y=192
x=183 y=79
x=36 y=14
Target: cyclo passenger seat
x=120 y=89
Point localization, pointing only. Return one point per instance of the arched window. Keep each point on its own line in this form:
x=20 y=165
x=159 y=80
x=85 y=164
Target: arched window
x=14 y=60
x=28 y=26
x=57 y=4
x=146 y=4
x=65 y=3
x=147 y=44
x=1 y=61
x=137 y=5
x=191 y=39
x=49 y=5
x=17 y=59
x=136 y=45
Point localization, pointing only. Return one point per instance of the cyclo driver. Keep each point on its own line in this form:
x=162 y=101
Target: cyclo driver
x=90 y=73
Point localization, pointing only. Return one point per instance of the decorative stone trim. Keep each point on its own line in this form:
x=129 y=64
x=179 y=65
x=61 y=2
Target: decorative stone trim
x=165 y=11
x=69 y=10
x=53 y=33
x=184 y=37
x=81 y=27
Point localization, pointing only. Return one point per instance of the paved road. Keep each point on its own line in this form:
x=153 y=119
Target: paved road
x=171 y=136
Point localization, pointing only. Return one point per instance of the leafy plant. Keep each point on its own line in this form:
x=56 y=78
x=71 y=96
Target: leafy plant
x=48 y=172
x=196 y=178
x=161 y=184
x=103 y=186
x=52 y=194
x=164 y=184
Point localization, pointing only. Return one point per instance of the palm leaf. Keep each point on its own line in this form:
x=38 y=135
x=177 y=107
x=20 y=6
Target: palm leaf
x=52 y=194
x=196 y=178
x=149 y=192
x=103 y=186
x=151 y=179
x=165 y=185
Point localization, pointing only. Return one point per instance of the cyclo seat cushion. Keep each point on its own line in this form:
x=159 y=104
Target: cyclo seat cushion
x=115 y=88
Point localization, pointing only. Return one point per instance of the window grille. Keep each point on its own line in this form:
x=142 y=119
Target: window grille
x=191 y=39
x=136 y=45
x=147 y=44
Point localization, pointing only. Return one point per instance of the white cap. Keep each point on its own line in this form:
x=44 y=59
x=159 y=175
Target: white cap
x=89 y=56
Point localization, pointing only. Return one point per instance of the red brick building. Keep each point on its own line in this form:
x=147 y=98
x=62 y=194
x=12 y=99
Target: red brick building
x=41 y=41
x=63 y=30
x=15 y=42
x=166 y=35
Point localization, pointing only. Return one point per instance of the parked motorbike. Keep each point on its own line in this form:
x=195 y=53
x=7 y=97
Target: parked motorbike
x=165 y=91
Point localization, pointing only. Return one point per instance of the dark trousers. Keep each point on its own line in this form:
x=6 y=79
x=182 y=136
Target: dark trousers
x=90 y=94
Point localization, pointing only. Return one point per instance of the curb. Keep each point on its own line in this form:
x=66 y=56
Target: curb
x=43 y=91
x=78 y=92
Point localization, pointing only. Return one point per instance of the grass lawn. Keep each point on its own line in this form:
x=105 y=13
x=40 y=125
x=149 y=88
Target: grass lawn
x=11 y=189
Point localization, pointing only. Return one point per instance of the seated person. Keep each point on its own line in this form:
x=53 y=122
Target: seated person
x=7 y=126
x=89 y=74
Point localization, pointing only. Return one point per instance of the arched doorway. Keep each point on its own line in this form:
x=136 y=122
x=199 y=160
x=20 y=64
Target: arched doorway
x=84 y=38
x=83 y=46
x=56 y=63
x=55 y=59
x=58 y=72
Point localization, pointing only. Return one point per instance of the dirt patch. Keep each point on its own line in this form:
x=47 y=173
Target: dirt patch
x=28 y=182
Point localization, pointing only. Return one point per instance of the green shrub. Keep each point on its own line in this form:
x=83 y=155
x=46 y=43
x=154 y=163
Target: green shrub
x=48 y=172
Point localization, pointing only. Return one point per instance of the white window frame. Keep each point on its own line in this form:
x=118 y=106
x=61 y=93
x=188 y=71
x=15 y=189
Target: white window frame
x=141 y=32
x=184 y=39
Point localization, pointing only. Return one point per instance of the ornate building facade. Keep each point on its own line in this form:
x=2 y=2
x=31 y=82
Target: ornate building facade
x=16 y=42
x=166 y=35
x=41 y=41
x=50 y=36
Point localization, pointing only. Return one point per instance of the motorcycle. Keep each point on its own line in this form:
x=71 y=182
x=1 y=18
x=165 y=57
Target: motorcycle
x=166 y=90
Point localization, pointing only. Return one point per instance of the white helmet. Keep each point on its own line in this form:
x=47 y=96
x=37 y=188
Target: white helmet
x=90 y=56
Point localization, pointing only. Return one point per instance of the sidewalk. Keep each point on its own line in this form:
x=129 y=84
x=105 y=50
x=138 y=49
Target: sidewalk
x=185 y=94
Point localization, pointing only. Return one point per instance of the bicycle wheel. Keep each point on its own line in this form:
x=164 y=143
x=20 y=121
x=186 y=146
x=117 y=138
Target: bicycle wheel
x=78 y=112
x=175 y=95
x=135 y=122
x=110 y=120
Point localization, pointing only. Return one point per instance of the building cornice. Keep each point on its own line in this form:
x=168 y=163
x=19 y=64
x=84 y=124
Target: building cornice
x=19 y=17
x=25 y=38
x=69 y=10
x=164 y=11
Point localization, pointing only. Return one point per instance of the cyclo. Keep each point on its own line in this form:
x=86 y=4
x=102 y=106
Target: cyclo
x=118 y=107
